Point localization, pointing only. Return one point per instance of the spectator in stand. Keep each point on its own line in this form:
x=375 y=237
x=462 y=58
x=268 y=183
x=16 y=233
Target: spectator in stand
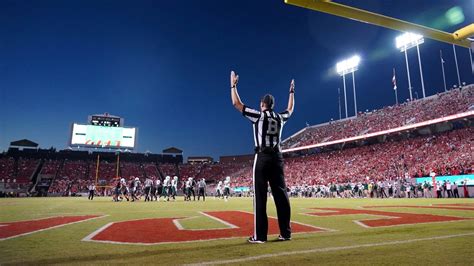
x=436 y=106
x=465 y=190
x=455 y=190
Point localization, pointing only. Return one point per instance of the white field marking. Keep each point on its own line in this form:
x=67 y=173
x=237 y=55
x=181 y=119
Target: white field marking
x=316 y=227
x=96 y=232
x=53 y=227
x=160 y=243
x=27 y=220
x=436 y=207
x=415 y=213
x=360 y=222
x=56 y=215
x=219 y=220
x=329 y=249
x=180 y=226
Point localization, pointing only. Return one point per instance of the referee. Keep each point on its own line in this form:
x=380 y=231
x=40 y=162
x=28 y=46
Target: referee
x=268 y=164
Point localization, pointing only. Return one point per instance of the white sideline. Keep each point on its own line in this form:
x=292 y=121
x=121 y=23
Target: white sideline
x=289 y=253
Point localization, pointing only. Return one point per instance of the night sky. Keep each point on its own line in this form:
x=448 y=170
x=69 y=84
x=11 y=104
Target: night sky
x=164 y=66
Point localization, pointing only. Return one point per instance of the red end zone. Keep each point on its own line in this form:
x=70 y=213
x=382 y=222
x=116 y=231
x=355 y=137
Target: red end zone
x=165 y=230
x=20 y=228
x=390 y=218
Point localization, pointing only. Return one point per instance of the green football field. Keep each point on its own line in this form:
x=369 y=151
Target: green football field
x=341 y=231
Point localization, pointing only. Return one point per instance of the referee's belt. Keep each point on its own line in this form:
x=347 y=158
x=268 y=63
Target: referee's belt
x=267 y=150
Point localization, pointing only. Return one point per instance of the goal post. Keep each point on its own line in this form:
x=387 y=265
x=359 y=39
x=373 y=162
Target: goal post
x=459 y=37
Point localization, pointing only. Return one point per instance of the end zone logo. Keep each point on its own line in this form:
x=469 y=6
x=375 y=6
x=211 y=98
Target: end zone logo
x=235 y=224
x=169 y=230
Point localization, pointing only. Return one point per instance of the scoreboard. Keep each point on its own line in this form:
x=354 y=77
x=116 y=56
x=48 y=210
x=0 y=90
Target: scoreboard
x=103 y=136
x=105 y=120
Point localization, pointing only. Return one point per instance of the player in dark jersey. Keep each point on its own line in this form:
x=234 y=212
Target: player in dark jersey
x=148 y=186
x=134 y=183
x=117 y=191
x=202 y=189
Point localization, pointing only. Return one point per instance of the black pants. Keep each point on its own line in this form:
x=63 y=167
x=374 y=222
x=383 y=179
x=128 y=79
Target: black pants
x=268 y=168
x=91 y=194
x=147 y=194
x=456 y=193
x=191 y=191
x=201 y=193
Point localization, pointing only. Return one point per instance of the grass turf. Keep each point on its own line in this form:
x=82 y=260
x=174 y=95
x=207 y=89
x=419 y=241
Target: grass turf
x=64 y=246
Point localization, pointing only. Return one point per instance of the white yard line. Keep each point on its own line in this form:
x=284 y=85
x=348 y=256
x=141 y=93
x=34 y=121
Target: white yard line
x=329 y=249
x=52 y=227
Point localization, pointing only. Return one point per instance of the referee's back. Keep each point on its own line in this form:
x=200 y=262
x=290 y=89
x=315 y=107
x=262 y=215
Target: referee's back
x=267 y=127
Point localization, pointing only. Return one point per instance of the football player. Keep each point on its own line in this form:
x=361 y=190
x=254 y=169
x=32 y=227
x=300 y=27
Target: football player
x=189 y=188
x=226 y=188
x=158 y=188
x=124 y=188
x=148 y=185
x=166 y=186
x=219 y=190
x=185 y=190
x=117 y=191
x=134 y=185
x=202 y=189
x=174 y=188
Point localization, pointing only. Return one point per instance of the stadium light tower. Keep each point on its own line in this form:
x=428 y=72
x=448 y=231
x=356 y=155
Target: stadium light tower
x=345 y=67
x=404 y=42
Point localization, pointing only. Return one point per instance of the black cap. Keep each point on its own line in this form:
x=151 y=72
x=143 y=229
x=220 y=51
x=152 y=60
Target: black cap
x=269 y=100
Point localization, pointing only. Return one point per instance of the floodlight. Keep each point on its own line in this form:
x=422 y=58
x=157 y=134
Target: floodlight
x=408 y=40
x=348 y=66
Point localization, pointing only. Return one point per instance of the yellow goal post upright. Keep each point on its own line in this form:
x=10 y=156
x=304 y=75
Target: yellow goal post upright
x=97 y=172
x=117 y=166
x=459 y=37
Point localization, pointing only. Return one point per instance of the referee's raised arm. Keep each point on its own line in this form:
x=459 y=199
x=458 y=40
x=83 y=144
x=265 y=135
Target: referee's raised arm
x=291 y=99
x=234 y=79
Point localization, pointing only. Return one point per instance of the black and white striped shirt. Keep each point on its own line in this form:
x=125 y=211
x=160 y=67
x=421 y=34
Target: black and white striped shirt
x=267 y=126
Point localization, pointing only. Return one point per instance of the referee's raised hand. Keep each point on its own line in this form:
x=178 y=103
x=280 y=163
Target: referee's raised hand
x=292 y=86
x=236 y=102
x=234 y=79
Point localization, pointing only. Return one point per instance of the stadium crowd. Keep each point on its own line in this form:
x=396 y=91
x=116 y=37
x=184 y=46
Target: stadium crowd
x=411 y=112
x=376 y=170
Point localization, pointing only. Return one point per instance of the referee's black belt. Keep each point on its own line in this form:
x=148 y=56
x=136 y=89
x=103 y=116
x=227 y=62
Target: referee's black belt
x=267 y=150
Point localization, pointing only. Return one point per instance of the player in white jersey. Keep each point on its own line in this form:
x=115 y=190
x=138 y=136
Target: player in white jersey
x=219 y=190
x=158 y=188
x=173 y=188
x=124 y=189
x=166 y=186
x=189 y=188
x=226 y=188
